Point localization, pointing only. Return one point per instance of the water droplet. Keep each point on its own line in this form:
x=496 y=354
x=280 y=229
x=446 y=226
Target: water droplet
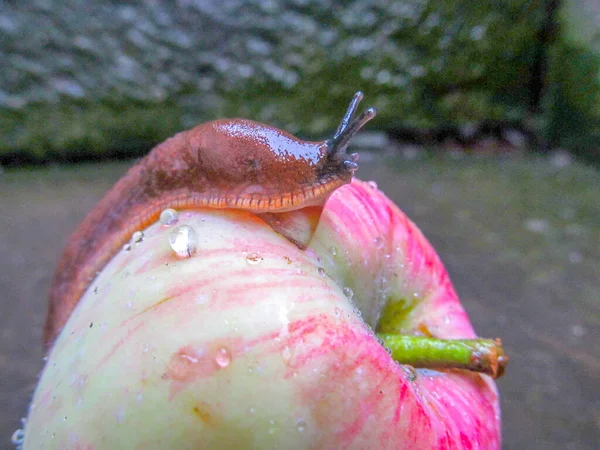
x=201 y=299
x=286 y=353
x=338 y=312
x=120 y=415
x=333 y=250
x=252 y=410
x=223 y=357
x=410 y=373
x=378 y=241
x=348 y=293
x=272 y=429
x=254 y=258
x=127 y=247
x=138 y=236
x=146 y=348
x=372 y=184
x=301 y=425
x=321 y=271
x=183 y=241
x=18 y=437
x=169 y=217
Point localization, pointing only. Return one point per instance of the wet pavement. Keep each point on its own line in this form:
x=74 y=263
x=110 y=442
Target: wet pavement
x=518 y=236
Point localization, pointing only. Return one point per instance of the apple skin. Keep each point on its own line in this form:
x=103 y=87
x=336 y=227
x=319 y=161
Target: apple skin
x=254 y=343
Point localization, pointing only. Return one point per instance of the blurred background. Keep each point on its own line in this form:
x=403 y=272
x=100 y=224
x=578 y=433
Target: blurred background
x=487 y=136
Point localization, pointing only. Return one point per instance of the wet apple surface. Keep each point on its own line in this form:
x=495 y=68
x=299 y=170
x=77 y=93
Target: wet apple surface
x=211 y=329
x=505 y=273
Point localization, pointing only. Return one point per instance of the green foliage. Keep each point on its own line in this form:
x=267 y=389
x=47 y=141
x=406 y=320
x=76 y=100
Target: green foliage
x=421 y=63
x=71 y=131
x=572 y=103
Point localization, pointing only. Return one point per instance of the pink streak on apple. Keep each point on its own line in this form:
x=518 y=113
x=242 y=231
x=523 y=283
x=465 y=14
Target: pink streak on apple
x=357 y=217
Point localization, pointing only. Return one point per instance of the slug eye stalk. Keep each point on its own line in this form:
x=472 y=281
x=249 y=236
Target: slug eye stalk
x=348 y=127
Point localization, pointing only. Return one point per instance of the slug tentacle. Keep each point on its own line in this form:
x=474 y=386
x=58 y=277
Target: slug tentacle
x=227 y=163
x=346 y=130
x=356 y=99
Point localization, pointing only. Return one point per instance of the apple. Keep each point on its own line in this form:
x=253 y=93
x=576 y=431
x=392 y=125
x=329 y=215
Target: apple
x=215 y=331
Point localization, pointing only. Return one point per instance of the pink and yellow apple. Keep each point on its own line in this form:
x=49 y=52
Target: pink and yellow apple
x=243 y=340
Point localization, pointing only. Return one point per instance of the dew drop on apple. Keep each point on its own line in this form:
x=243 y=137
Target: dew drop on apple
x=137 y=237
x=254 y=258
x=348 y=292
x=410 y=373
x=321 y=271
x=286 y=353
x=183 y=241
x=127 y=247
x=273 y=428
x=301 y=426
x=223 y=357
x=333 y=250
x=120 y=415
x=169 y=217
x=18 y=437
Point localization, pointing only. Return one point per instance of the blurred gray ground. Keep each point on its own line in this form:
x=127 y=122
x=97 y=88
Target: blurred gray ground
x=519 y=237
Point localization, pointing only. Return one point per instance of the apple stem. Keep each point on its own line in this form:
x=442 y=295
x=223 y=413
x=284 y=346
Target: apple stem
x=478 y=355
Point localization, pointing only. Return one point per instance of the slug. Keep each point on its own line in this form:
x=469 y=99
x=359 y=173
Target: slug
x=227 y=163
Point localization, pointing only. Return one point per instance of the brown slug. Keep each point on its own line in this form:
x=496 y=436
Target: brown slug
x=227 y=163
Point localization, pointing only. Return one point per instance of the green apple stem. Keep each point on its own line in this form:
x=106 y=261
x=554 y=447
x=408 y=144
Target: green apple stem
x=478 y=355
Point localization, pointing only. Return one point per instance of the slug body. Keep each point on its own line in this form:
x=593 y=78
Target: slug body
x=229 y=163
